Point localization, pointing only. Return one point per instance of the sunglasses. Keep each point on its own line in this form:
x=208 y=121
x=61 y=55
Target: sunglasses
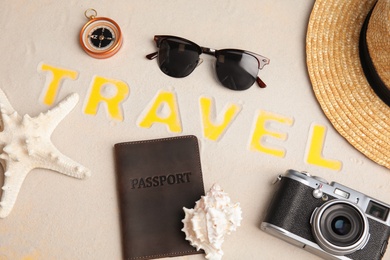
x=236 y=69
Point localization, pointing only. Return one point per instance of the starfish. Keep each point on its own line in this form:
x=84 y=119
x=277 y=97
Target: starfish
x=25 y=145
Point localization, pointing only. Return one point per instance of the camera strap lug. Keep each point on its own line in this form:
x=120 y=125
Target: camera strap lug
x=278 y=179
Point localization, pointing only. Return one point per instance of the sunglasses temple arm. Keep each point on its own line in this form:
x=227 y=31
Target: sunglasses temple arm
x=260 y=83
x=152 y=55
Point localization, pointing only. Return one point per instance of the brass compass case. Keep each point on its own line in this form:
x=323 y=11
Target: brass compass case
x=100 y=37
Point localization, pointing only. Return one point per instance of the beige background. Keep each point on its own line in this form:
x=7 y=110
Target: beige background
x=57 y=217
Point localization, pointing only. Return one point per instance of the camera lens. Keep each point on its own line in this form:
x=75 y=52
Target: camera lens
x=340 y=227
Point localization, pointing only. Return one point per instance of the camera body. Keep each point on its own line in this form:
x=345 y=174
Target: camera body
x=327 y=219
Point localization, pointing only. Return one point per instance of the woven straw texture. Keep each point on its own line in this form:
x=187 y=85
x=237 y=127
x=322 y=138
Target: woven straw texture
x=332 y=47
x=378 y=38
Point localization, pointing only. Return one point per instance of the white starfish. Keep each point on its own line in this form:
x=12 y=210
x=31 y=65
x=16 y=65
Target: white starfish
x=25 y=145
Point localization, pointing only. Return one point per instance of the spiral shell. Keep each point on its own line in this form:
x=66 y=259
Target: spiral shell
x=213 y=217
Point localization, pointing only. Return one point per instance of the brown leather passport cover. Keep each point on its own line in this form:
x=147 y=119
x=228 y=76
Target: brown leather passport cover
x=156 y=179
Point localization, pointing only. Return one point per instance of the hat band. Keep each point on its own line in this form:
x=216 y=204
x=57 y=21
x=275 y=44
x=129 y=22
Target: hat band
x=370 y=72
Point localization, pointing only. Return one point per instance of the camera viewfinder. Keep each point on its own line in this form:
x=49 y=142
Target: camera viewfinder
x=378 y=211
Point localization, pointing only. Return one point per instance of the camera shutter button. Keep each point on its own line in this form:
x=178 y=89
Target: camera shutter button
x=317 y=193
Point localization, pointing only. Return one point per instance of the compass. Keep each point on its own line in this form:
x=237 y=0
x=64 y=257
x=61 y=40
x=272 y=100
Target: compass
x=100 y=37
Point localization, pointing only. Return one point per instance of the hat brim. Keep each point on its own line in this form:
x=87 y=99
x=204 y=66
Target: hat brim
x=337 y=77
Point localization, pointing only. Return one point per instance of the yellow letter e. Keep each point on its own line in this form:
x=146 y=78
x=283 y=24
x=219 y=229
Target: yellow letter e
x=261 y=132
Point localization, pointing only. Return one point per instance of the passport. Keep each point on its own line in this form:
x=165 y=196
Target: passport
x=156 y=179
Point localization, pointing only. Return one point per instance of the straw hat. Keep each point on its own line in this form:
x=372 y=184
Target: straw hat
x=352 y=89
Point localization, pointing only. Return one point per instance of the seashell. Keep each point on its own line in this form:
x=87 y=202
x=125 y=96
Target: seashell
x=213 y=217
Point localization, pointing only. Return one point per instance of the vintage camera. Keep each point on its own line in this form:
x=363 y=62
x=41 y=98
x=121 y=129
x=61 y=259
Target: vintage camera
x=329 y=220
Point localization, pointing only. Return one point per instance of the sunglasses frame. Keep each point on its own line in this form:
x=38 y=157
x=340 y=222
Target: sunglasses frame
x=261 y=60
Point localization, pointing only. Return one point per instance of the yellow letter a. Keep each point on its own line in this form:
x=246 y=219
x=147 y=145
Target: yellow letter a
x=157 y=114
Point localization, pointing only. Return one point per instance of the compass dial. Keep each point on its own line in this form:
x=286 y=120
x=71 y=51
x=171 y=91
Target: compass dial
x=101 y=37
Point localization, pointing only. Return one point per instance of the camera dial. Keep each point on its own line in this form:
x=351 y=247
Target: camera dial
x=340 y=227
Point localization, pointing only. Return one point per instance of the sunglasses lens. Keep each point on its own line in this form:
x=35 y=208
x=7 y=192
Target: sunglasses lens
x=178 y=58
x=236 y=69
